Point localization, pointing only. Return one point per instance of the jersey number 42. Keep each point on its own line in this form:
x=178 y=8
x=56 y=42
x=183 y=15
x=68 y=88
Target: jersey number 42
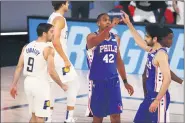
x=108 y=58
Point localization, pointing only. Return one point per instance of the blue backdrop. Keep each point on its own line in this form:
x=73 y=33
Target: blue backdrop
x=134 y=57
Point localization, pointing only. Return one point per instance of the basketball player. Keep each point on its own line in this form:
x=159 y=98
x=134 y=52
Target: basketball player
x=155 y=105
x=62 y=62
x=104 y=62
x=166 y=42
x=36 y=60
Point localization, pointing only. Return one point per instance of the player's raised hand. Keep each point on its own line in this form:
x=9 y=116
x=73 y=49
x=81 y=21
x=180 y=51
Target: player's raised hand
x=115 y=21
x=13 y=91
x=64 y=87
x=129 y=88
x=153 y=107
x=125 y=17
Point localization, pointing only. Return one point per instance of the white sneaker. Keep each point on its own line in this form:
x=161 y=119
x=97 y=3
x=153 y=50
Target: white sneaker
x=70 y=120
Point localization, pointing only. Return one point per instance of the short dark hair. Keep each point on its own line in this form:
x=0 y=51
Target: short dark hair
x=43 y=27
x=166 y=31
x=154 y=30
x=57 y=4
x=100 y=15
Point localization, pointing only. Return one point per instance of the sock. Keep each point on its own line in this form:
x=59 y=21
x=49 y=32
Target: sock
x=51 y=112
x=69 y=114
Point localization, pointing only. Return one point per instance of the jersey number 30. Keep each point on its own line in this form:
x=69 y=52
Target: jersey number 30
x=30 y=64
x=108 y=58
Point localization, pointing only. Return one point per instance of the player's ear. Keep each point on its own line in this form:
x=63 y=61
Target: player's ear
x=154 y=39
x=98 y=23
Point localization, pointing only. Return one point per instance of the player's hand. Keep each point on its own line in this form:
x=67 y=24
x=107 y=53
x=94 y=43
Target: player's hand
x=64 y=87
x=153 y=107
x=115 y=21
x=67 y=63
x=125 y=17
x=13 y=91
x=129 y=88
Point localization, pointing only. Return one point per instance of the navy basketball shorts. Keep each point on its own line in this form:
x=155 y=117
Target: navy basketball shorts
x=106 y=97
x=161 y=115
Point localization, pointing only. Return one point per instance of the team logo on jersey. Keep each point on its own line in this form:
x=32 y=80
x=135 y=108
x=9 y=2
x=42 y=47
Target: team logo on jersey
x=46 y=104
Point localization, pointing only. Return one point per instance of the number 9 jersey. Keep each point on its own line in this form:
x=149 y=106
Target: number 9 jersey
x=102 y=59
x=35 y=64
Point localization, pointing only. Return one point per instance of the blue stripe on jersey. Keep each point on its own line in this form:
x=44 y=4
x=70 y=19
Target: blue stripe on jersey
x=103 y=64
x=153 y=74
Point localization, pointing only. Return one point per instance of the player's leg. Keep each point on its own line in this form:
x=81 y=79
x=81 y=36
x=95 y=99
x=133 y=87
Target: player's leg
x=52 y=101
x=115 y=118
x=33 y=118
x=84 y=10
x=73 y=89
x=28 y=87
x=98 y=104
x=115 y=100
x=142 y=115
x=42 y=101
x=97 y=119
x=75 y=9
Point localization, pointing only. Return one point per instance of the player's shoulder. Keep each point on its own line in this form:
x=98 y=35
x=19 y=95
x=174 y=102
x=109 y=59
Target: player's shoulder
x=59 y=19
x=161 y=54
x=116 y=37
x=92 y=34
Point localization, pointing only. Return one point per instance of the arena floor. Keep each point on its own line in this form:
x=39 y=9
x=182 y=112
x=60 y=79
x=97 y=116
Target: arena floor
x=16 y=110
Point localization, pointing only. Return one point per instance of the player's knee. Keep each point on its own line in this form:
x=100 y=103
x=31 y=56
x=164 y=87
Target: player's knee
x=40 y=119
x=71 y=99
x=115 y=117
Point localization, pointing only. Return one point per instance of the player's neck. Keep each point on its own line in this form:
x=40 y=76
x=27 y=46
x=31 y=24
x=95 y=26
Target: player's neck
x=156 y=46
x=107 y=35
x=60 y=12
x=40 y=39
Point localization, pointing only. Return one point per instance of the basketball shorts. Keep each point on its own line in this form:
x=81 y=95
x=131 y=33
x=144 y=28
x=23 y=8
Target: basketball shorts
x=106 y=97
x=38 y=96
x=161 y=115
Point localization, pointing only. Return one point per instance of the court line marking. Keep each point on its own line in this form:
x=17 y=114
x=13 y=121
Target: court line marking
x=79 y=96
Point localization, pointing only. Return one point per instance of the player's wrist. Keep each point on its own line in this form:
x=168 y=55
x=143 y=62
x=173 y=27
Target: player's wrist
x=157 y=100
x=125 y=81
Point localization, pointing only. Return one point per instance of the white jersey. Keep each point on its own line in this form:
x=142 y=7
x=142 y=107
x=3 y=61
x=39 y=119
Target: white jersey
x=59 y=63
x=34 y=63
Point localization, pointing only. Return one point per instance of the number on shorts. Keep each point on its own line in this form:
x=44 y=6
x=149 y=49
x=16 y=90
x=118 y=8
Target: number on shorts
x=30 y=64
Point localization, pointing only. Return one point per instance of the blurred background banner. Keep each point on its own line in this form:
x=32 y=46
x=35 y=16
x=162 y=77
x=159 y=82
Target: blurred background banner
x=134 y=57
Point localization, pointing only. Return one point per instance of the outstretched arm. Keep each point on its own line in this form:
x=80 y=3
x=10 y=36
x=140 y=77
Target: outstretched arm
x=137 y=38
x=59 y=24
x=94 y=40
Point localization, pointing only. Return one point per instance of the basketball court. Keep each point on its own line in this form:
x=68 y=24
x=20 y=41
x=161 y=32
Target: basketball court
x=16 y=110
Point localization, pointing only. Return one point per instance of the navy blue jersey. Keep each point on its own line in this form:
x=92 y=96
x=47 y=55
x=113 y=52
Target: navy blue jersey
x=153 y=73
x=102 y=59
